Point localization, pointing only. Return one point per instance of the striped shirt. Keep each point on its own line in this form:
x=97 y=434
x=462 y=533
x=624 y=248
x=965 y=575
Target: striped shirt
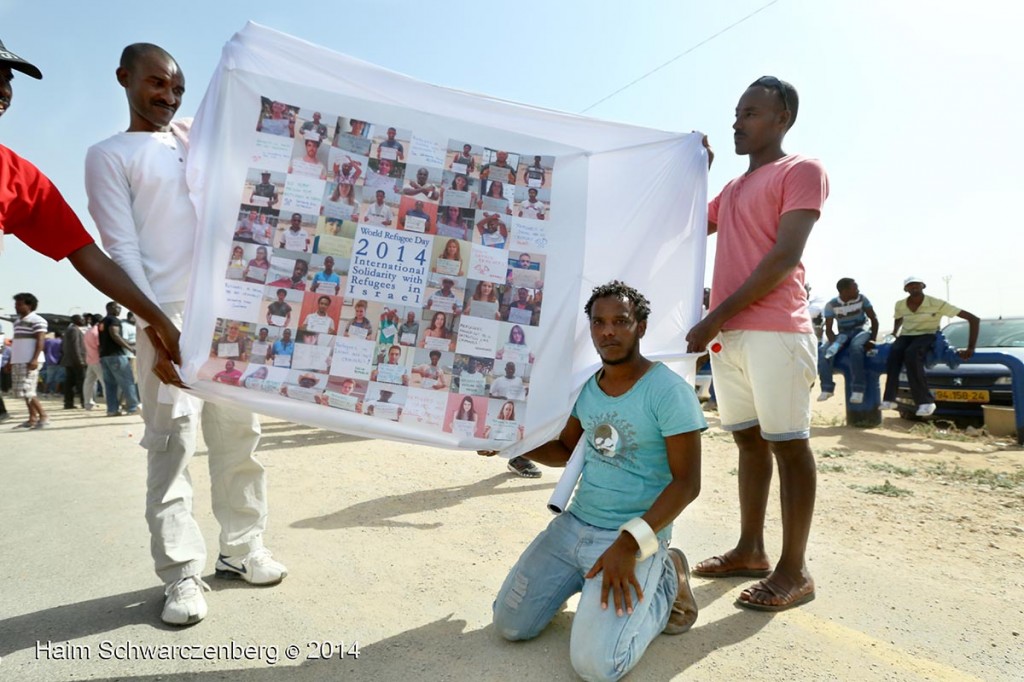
x=23 y=351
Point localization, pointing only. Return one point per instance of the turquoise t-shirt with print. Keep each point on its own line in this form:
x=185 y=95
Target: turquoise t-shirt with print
x=626 y=464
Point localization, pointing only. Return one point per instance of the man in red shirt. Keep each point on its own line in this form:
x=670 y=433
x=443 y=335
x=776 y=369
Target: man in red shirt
x=32 y=209
x=762 y=340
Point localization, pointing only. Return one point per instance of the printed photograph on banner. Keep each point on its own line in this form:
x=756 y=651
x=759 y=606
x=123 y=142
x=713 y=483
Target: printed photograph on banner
x=313 y=352
x=431 y=369
x=282 y=349
x=340 y=248
x=260 y=348
x=449 y=258
x=302 y=194
x=535 y=171
x=328 y=273
x=521 y=305
x=264 y=378
x=529 y=235
x=408 y=332
x=332 y=227
x=379 y=211
x=504 y=419
x=277 y=118
x=221 y=371
x=296 y=234
x=309 y=157
x=345 y=167
x=241 y=301
x=249 y=263
x=427 y=151
x=445 y=297
x=357 y=317
x=488 y=263
x=384 y=401
x=510 y=380
x=417 y=215
x=491 y=229
x=256 y=226
x=497 y=197
x=305 y=386
x=263 y=188
x=281 y=306
x=232 y=340
x=438 y=331
x=526 y=269
x=463 y=158
x=352 y=135
x=392 y=319
x=469 y=374
x=341 y=202
x=288 y=270
x=425 y=407
x=499 y=165
x=271 y=153
x=465 y=415
x=392 y=364
x=423 y=183
x=477 y=336
x=352 y=358
x=481 y=300
x=389 y=143
x=345 y=393
x=316 y=125
x=385 y=175
x=513 y=344
x=459 y=190
x=319 y=313
x=532 y=203
x=455 y=222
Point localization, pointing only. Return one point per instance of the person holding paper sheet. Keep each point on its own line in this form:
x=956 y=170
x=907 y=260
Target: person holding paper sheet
x=765 y=360
x=531 y=208
x=229 y=375
x=432 y=376
x=244 y=230
x=486 y=298
x=360 y=326
x=516 y=346
x=314 y=127
x=422 y=185
x=379 y=213
x=391 y=371
x=297 y=281
x=534 y=174
x=266 y=190
x=444 y=298
x=450 y=224
x=506 y=417
x=256 y=269
x=236 y=264
x=499 y=169
x=319 y=321
x=493 y=231
x=139 y=199
x=295 y=238
x=449 y=261
x=309 y=164
x=420 y=219
x=463 y=162
x=327 y=280
x=438 y=329
x=641 y=426
x=383 y=407
x=391 y=148
x=281 y=121
x=509 y=386
x=279 y=312
x=281 y=351
x=233 y=344
x=409 y=330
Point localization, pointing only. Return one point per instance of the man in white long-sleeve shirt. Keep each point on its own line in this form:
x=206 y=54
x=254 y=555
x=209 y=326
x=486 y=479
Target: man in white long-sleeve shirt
x=139 y=199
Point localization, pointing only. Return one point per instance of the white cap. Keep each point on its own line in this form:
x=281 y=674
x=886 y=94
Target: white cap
x=911 y=279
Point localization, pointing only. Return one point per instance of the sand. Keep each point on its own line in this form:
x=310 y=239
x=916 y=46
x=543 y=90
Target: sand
x=402 y=548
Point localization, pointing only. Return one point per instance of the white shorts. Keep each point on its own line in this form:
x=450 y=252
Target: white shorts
x=765 y=378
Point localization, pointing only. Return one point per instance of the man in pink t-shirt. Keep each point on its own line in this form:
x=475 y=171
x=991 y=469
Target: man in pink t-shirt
x=93 y=371
x=763 y=347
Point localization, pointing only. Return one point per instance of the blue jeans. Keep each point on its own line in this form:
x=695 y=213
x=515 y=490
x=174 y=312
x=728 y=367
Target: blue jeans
x=52 y=375
x=117 y=374
x=858 y=382
x=602 y=646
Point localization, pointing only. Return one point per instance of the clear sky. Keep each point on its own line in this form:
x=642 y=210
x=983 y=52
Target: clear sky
x=911 y=105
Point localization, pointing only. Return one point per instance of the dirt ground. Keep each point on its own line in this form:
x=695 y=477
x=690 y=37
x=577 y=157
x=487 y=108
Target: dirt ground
x=917 y=549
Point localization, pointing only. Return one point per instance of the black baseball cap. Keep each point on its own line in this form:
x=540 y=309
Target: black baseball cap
x=9 y=59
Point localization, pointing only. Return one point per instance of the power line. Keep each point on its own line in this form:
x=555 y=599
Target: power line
x=680 y=55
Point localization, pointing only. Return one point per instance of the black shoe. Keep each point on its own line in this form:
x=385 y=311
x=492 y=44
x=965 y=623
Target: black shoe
x=521 y=466
x=4 y=417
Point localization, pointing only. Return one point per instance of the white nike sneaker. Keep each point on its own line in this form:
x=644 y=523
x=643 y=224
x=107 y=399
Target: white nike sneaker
x=825 y=395
x=887 y=405
x=257 y=568
x=925 y=410
x=185 y=603
x=856 y=397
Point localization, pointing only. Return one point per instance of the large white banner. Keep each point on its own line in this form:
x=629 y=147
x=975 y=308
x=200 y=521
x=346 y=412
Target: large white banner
x=384 y=257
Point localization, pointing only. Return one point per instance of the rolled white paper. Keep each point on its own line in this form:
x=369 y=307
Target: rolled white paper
x=567 y=483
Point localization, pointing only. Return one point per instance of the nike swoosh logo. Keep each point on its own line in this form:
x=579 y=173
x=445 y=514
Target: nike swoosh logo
x=240 y=569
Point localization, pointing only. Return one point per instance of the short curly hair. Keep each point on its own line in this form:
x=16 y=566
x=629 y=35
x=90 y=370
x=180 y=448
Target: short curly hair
x=617 y=289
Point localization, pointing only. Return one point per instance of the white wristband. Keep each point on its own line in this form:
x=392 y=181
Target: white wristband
x=644 y=536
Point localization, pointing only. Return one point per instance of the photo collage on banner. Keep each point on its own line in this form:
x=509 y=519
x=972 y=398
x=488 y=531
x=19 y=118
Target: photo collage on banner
x=391 y=275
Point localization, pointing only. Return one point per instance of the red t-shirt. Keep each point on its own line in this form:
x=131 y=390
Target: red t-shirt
x=32 y=208
x=747 y=213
